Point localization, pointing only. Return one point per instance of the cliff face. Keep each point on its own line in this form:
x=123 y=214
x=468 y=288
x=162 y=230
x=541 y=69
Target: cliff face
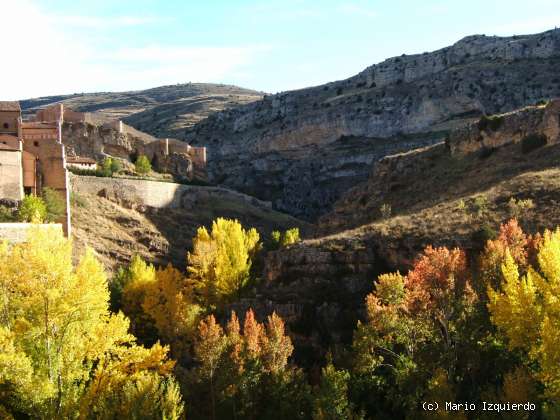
x=443 y=195
x=287 y=147
x=403 y=180
x=318 y=290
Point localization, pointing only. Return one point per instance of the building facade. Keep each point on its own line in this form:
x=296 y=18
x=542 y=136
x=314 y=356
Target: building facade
x=32 y=157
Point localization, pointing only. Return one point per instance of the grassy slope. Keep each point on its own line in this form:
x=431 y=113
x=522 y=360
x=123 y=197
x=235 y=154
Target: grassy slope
x=426 y=201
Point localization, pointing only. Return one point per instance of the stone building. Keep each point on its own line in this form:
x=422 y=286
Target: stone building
x=32 y=157
x=82 y=163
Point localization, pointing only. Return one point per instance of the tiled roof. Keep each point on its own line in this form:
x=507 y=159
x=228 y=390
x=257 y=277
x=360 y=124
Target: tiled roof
x=9 y=106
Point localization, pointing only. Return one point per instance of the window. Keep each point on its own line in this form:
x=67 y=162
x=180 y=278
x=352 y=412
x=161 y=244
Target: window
x=6 y=125
x=36 y=143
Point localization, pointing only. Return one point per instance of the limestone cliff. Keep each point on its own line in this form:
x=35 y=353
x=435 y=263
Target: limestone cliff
x=302 y=149
x=455 y=193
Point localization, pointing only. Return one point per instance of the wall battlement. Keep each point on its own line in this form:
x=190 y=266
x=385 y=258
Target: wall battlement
x=152 y=147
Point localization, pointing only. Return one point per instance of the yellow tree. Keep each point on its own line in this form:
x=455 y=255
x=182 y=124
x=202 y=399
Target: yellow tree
x=170 y=303
x=221 y=259
x=140 y=279
x=56 y=332
x=525 y=308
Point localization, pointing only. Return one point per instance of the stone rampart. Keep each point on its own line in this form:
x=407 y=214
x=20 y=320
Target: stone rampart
x=152 y=193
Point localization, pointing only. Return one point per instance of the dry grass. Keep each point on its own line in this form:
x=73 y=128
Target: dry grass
x=428 y=208
x=117 y=233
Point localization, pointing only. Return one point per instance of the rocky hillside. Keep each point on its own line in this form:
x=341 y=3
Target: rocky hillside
x=455 y=193
x=118 y=226
x=303 y=149
x=165 y=111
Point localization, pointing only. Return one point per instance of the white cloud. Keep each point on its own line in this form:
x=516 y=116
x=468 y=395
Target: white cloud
x=48 y=58
x=102 y=22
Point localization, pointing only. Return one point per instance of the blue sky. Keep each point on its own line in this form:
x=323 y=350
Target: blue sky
x=108 y=45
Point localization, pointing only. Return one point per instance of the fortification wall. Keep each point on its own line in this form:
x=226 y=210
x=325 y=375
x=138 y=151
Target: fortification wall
x=11 y=176
x=152 y=193
x=17 y=232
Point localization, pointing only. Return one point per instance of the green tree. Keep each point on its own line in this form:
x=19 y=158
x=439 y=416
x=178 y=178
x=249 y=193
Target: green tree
x=32 y=209
x=55 y=203
x=143 y=165
x=331 y=399
x=220 y=262
x=110 y=166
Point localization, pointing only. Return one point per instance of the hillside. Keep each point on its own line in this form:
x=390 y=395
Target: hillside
x=303 y=149
x=164 y=111
x=109 y=216
x=456 y=193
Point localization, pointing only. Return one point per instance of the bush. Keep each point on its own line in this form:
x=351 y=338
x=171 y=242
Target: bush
x=78 y=200
x=518 y=208
x=7 y=215
x=480 y=205
x=493 y=123
x=533 y=142
x=110 y=166
x=33 y=209
x=291 y=236
x=143 y=165
x=385 y=210
x=56 y=205
x=281 y=240
x=481 y=236
x=85 y=172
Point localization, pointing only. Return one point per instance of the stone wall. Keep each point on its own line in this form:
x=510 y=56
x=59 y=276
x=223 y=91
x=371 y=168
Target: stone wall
x=133 y=192
x=17 y=232
x=58 y=112
x=513 y=127
x=122 y=141
x=11 y=175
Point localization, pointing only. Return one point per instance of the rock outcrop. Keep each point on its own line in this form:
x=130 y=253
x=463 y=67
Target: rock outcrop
x=286 y=147
x=100 y=141
x=318 y=290
x=499 y=130
x=454 y=193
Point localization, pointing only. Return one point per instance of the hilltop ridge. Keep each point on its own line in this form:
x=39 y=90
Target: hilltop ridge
x=164 y=111
x=326 y=137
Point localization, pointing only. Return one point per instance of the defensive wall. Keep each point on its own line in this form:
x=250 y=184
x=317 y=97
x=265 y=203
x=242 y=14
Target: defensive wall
x=151 y=147
x=152 y=193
